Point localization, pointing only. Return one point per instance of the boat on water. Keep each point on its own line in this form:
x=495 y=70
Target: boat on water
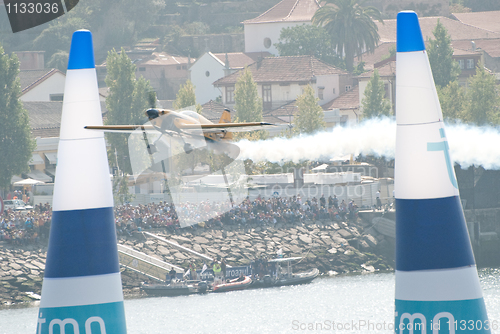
x=234 y=284
x=283 y=274
x=178 y=288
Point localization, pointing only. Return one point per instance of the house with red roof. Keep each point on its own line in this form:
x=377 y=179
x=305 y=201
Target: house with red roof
x=262 y=32
x=211 y=67
x=281 y=80
x=42 y=85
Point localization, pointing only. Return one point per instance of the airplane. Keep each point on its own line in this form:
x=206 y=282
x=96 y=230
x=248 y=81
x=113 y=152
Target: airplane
x=185 y=124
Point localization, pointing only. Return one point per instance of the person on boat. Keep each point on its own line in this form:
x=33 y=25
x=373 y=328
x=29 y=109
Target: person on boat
x=241 y=278
x=223 y=269
x=192 y=271
x=172 y=273
x=217 y=271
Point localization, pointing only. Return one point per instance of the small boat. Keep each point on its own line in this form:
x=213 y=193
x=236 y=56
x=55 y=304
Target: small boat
x=234 y=284
x=180 y=288
x=299 y=278
x=284 y=275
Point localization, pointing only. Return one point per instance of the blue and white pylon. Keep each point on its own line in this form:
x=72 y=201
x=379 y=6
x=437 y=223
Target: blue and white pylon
x=82 y=288
x=437 y=286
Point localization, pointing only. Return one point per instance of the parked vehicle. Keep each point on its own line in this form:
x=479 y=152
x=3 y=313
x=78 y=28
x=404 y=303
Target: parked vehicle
x=16 y=204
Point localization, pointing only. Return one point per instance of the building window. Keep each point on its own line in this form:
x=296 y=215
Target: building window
x=321 y=90
x=267 y=42
x=461 y=63
x=334 y=90
x=178 y=67
x=142 y=69
x=56 y=97
x=184 y=67
x=266 y=97
x=207 y=73
x=347 y=88
x=229 y=94
x=470 y=64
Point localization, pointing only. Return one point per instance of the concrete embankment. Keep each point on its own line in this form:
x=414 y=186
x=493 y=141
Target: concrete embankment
x=332 y=247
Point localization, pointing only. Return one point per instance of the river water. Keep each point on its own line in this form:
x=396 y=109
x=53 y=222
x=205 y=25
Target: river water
x=358 y=303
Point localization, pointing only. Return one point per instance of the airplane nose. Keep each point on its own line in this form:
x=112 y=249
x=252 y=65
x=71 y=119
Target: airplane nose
x=152 y=113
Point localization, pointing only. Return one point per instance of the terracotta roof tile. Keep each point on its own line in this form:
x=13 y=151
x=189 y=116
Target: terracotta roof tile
x=241 y=59
x=484 y=20
x=288 y=11
x=31 y=78
x=348 y=100
x=490 y=46
x=381 y=51
x=284 y=69
x=45 y=117
x=161 y=58
x=386 y=70
x=456 y=29
x=288 y=109
x=212 y=110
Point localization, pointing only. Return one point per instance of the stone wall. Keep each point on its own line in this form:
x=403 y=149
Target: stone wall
x=333 y=247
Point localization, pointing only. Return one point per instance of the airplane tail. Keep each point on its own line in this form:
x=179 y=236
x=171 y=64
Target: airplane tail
x=437 y=285
x=82 y=283
x=226 y=118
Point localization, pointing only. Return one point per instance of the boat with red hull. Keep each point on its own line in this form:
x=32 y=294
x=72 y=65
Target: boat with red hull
x=235 y=284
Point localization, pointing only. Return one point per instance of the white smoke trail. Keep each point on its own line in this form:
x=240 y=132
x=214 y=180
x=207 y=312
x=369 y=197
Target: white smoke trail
x=468 y=144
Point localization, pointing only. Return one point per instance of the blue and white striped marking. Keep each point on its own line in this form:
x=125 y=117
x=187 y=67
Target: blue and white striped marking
x=82 y=290
x=437 y=287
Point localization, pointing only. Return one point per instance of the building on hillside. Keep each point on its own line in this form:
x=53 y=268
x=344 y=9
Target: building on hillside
x=387 y=72
x=213 y=110
x=262 y=32
x=42 y=85
x=467 y=60
x=345 y=107
x=166 y=73
x=31 y=60
x=213 y=66
x=488 y=48
x=456 y=29
x=45 y=123
x=390 y=8
x=484 y=20
x=282 y=79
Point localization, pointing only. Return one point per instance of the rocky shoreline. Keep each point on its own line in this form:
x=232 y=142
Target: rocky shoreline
x=333 y=247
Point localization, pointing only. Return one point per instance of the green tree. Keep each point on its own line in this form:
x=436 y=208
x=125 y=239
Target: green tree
x=248 y=105
x=59 y=60
x=186 y=97
x=57 y=37
x=482 y=5
x=482 y=102
x=121 y=193
x=126 y=102
x=16 y=144
x=374 y=104
x=452 y=99
x=444 y=67
x=351 y=27
x=310 y=117
x=308 y=40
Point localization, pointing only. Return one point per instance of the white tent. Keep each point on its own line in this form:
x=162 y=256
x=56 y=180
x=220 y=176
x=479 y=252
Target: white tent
x=28 y=182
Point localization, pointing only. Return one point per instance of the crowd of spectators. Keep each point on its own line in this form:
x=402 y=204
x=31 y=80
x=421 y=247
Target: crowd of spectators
x=25 y=227
x=259 y=211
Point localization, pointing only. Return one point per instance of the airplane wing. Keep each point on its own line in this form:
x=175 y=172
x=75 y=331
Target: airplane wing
x=229 y=127
x=121 y=128
x=206 y=128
